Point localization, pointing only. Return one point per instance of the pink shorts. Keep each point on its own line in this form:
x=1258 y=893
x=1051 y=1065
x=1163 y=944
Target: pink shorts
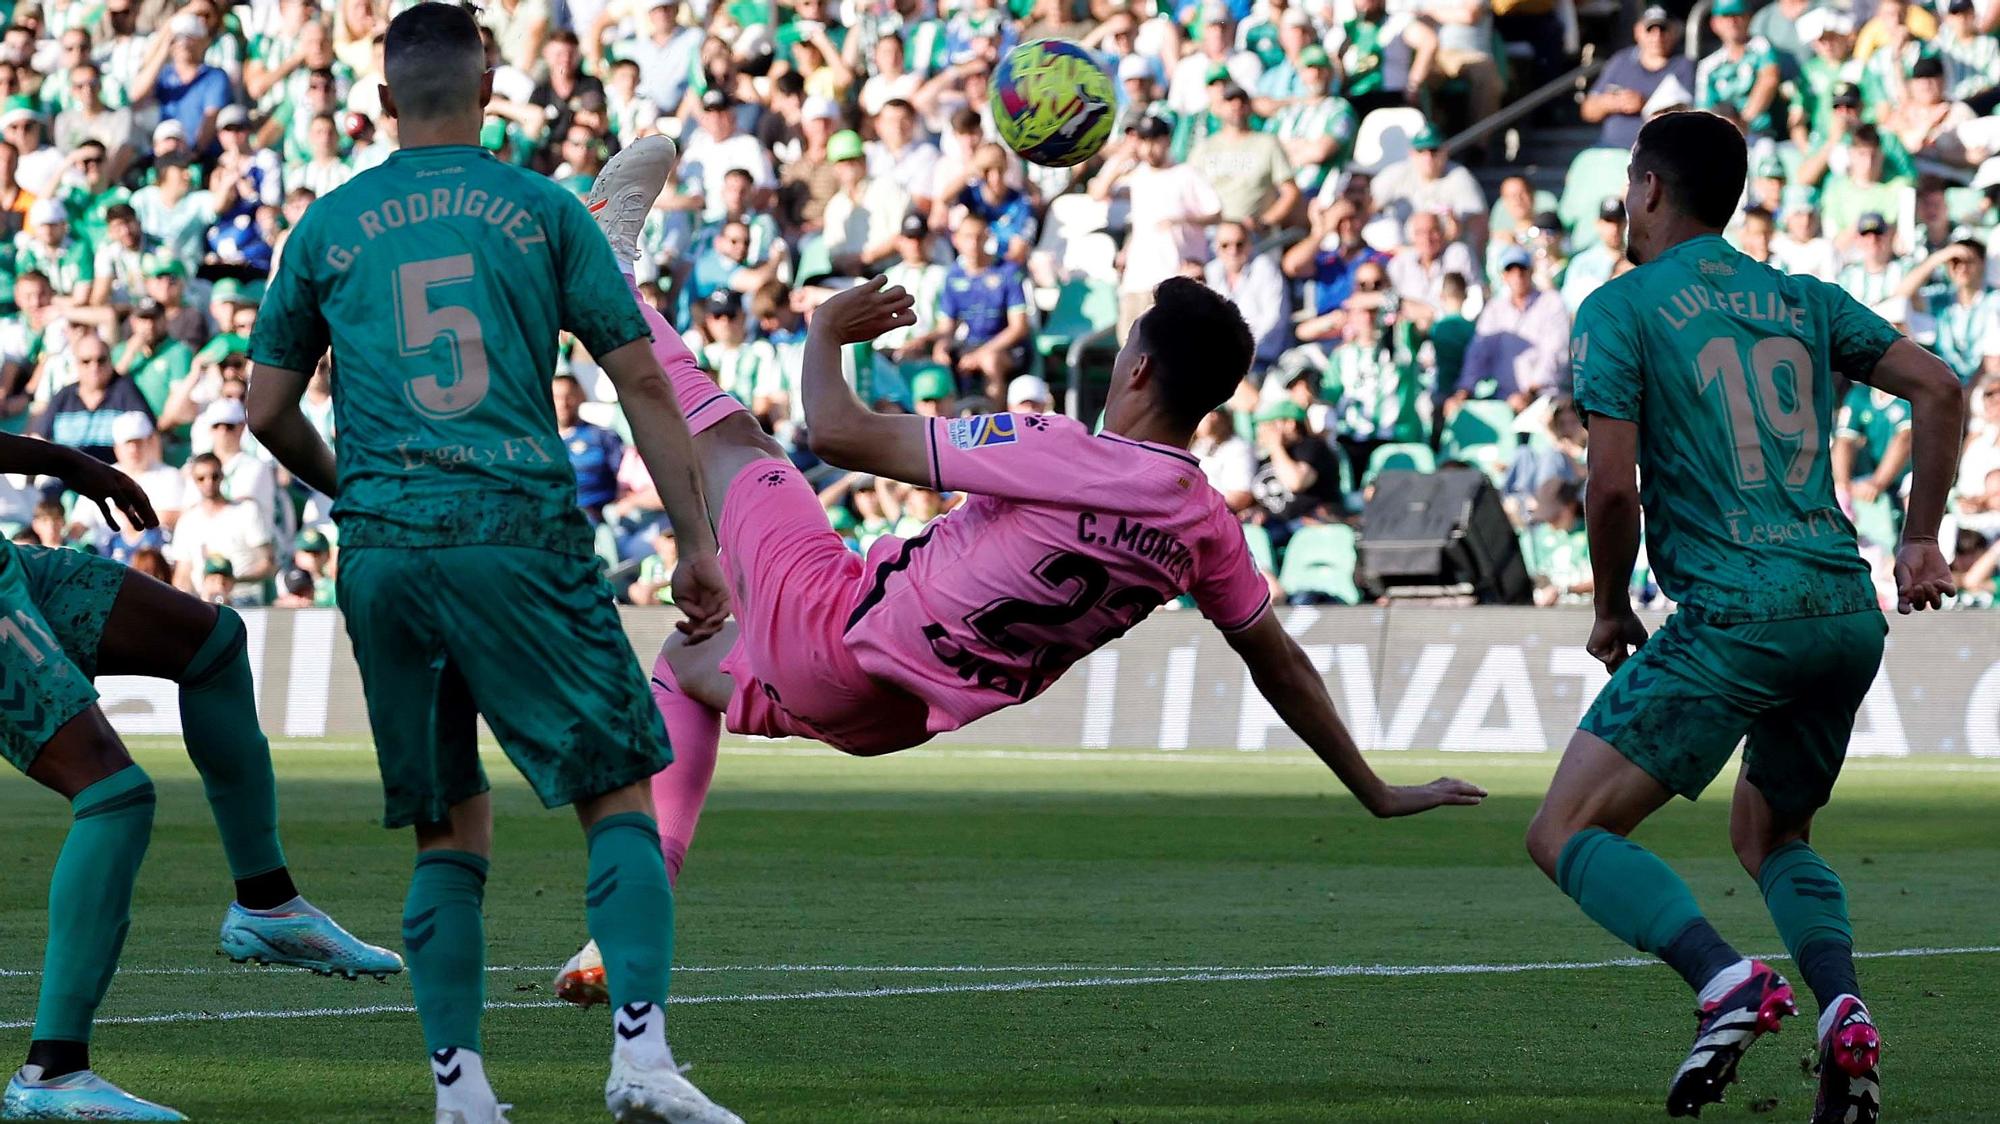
x=794 y=582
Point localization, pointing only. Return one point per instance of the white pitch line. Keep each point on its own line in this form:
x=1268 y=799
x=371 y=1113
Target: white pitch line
x=1164 y=970
x=1284 y=758
x=1169 y=976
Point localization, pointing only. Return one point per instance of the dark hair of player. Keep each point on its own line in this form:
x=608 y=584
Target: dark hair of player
x=1453 y=285
x=1701 y=159
x=433 y=61
x=1199 y=345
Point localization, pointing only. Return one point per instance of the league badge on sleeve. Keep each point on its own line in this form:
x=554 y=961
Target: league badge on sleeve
x=981 y=432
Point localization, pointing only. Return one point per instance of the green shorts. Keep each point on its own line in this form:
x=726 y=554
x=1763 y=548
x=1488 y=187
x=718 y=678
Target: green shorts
x=42 y=686
x=529 y=639
x=1679 y=707
x=75 y=592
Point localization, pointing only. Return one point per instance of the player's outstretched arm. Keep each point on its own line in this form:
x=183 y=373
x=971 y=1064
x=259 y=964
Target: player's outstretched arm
x=275 y=417
x=661 y=434
x=1937 y=417
x=842 y=431
x=1611 y=519
x=85 y=475
x=1290 y=682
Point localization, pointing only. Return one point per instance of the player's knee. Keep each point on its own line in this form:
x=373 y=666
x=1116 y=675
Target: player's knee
x=227 y=642
x=1547 y=834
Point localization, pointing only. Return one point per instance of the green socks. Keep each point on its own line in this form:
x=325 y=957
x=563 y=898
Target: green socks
x=219 y=722
x=1809 y=905
x=629 y=908
x=1625 y=888
x=444 y=936
x=90 y=901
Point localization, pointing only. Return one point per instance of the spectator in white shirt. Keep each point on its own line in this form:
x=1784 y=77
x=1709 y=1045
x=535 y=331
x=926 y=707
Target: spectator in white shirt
x=714 y=150
x=901 y=155
x=135 y=448
x=1257 y=286
x=1427 y=180
x=218 y=526
x=1171 y=209
x=246 y=477
x=1417 y=272
x=1227 y=460
x=865 y=215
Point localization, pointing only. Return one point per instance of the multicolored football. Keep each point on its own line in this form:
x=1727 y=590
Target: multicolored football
x=1053 y=102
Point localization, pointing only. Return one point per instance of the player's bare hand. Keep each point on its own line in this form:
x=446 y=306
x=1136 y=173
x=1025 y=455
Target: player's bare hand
x=865 y=311
x=1614 y=639
x=111 y=488
x=1409 y=799
x=701 y=592
x=1923 y=577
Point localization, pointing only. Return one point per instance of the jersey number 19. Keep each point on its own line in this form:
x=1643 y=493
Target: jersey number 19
x=1771 y=360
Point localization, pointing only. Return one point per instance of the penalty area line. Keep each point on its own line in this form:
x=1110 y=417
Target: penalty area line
x=1168 y=976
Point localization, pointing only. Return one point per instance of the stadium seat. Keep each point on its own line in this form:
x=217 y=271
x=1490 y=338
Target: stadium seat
x=1093 y=255
x=1594 y=176
x=1403 y=456
x=1385 y=135
x=1320 y=559
x=1259 y=540
x=1478 y=422
x=814 y=260
x=1083 y=306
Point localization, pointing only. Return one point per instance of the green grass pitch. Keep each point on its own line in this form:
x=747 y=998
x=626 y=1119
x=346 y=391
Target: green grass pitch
x=968 y=936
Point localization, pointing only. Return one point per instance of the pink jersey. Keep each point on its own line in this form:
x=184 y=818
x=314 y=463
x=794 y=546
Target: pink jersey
x=1067 y=540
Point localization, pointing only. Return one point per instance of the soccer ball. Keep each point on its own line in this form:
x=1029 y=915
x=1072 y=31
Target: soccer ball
x=1053 y=103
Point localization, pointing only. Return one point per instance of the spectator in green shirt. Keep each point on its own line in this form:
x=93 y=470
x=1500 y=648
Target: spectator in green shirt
x=154 y=361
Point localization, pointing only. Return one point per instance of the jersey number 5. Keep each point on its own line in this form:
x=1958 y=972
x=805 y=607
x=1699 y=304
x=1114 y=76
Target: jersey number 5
x=454 y=392
x=1781 y=369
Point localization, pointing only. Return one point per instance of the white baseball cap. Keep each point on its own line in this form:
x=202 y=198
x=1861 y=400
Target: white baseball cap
x=46 y=211
x=169 y=130
x=223 y=411
x=817 y=108
x=1133 y=66
x=130 y=426
x=1988 y=174
x=1029 y=388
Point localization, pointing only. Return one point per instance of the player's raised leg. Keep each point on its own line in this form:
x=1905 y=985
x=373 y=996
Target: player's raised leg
x=726 y=438
x=139 y=626
x=51 y=728
x=1579 y=839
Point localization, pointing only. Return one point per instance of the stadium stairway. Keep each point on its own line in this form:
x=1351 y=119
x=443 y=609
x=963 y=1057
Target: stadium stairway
x=1544 y=157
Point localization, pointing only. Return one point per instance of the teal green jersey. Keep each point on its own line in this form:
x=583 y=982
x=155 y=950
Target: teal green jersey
x=1724 y=81
x=441 y=280
x=1873 y=418
x=1727 y=368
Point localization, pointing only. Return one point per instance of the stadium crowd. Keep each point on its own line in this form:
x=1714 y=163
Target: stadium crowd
x=1287 y=152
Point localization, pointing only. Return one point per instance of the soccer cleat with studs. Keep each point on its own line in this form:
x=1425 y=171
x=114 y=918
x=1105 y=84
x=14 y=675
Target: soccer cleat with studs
x=1850 y=1088
x=1724 y=1029
x=302 y=937
x=624 y=191
x=82 y=1095
x=581 y=981
x=658 y=1094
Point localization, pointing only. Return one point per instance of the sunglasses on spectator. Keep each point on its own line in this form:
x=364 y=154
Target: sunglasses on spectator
x=1370 y=286
x=91 y=360
x=205 y=477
